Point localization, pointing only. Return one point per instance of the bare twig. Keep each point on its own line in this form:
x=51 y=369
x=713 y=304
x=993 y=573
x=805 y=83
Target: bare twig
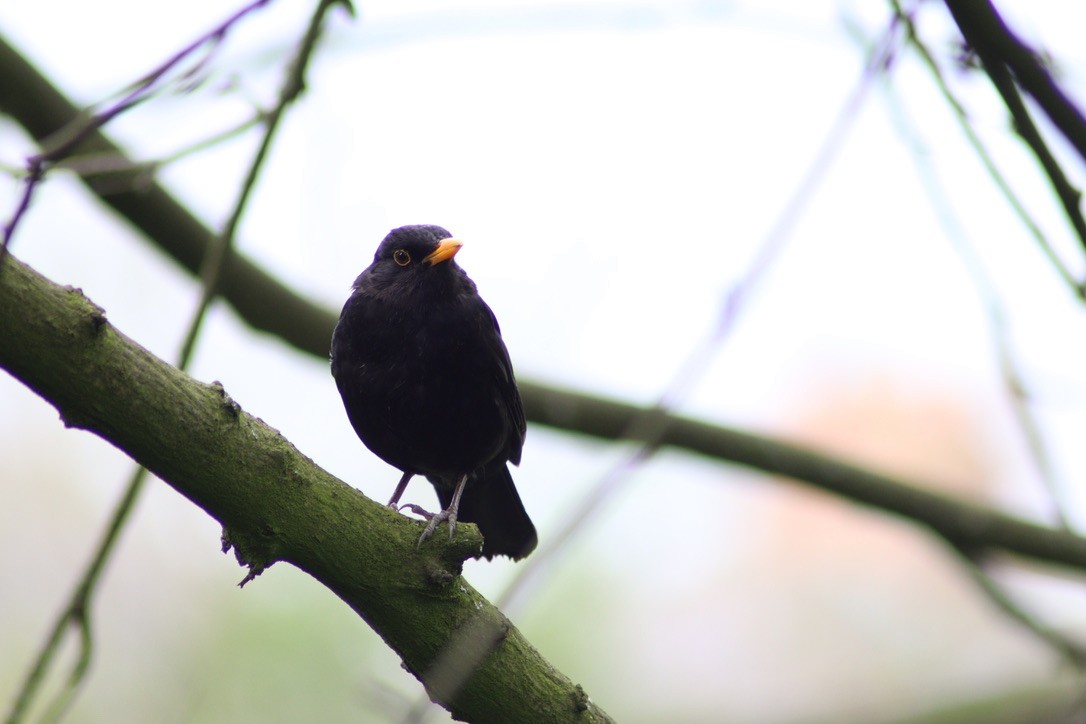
x=1070 y=197
x=982 y=153
x=1013 y=382
x=76 y=613
x=260 y=299
x=995 y=55
x=987 y=34
x=1070 y=649
x=68 y=138
x=98 y=164
x=212 y=268
x=62 y=143
x=30 y=183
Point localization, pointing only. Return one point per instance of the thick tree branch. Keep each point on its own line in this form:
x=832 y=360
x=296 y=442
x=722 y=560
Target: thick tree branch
x=277 y=505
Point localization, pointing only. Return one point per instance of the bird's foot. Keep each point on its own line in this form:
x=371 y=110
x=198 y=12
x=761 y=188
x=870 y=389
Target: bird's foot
x=416 y=509
x=435 y=520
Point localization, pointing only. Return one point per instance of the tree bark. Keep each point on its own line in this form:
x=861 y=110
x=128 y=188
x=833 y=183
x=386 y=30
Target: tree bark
x=275 y=504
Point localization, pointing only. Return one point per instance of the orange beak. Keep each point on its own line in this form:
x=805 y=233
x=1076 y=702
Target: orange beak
x=445 y=250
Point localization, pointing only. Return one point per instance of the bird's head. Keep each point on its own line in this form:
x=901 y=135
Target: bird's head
x=411 y=255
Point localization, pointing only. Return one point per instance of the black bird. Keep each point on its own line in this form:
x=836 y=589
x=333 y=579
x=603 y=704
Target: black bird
x=428 y=386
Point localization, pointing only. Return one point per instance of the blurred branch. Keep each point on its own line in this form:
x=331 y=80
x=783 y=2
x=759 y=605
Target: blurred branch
x=71 y=135
x=996 y=45
x=220 y=252
x=963 y=524
x=1069 y=196
x=1073 y=651
x=99 y=166
x=76 y=614
x=1012 y=379
x=260 y=299
x=982 y=152
x=274 y=503
x=1001 y=52
x=1014 y=382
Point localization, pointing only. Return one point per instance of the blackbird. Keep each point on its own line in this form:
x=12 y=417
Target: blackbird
x=428 y=386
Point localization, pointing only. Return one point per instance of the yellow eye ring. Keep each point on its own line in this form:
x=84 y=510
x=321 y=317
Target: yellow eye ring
x=401 y=257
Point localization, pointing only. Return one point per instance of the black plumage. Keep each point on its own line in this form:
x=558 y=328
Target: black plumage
x=428 y=385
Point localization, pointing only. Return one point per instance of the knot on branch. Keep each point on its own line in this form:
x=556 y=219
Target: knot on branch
x=95 y=315
x=231 y=407
x=258 y=552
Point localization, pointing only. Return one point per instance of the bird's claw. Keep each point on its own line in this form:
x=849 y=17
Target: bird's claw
x=416 y=509
x=435 y=520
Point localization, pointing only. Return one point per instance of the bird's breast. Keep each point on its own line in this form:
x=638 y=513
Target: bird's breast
x=425 y=387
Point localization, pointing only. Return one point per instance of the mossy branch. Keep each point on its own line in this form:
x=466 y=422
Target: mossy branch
x=275 y=504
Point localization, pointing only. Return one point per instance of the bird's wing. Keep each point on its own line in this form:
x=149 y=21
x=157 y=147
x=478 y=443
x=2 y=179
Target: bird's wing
x=507 y=386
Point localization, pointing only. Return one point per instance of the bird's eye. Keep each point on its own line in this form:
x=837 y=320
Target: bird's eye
x=401 y=257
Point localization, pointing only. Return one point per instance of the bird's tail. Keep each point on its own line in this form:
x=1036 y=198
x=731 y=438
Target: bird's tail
x=490 y=500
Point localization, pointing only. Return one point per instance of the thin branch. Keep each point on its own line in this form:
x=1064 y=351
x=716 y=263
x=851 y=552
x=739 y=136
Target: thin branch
x=138 y=173
x=1013 y=381
x=1013 y=384
x=987 y=34
x=81 y=126
x=30 y=183
x=1070 y=197
x=76 y=614
x=211 y=270
x=1070 y=649
x=259 y=298
x=71 y=136
x=994 y=63
x=982 y=153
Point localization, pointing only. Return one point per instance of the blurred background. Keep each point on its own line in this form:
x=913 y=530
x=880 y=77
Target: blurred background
x=615 y=169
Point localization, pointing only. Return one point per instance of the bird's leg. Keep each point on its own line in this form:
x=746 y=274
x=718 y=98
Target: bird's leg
x=394 y=502
x=400 y=487
x=448 y=514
